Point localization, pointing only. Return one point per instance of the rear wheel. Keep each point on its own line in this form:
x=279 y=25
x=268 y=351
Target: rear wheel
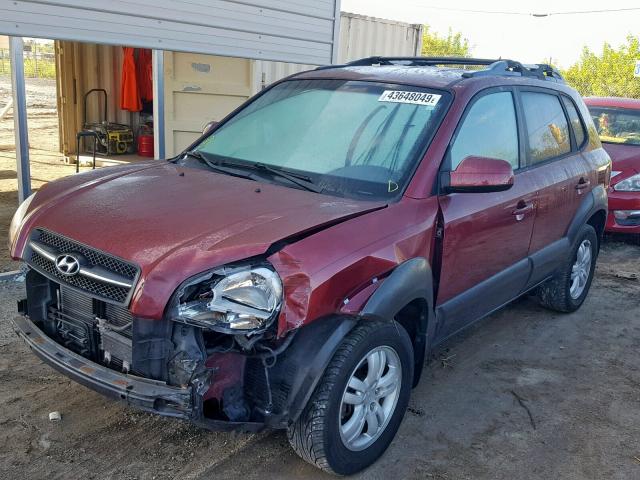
x=359 y=403
x=566 y=291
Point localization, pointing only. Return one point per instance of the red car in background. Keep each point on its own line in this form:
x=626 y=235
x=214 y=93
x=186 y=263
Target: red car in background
x=618 y=123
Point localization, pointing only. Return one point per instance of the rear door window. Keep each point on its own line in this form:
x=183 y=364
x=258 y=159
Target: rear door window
x=488 y=130
x=547 y=126
x=576 y=123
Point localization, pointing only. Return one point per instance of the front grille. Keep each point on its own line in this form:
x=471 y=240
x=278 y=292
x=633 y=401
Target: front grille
x=112 y=292
x=95 y=258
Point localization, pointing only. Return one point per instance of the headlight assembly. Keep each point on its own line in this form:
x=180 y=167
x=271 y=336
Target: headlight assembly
x=240 y=300
x=631 y=184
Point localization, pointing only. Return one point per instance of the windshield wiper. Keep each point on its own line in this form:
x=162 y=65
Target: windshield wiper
x=231 y=168
x=218 y=168
x=300 y=180
x=297 y=179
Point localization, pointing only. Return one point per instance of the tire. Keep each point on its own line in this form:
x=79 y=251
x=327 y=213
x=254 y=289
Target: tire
x=557 y=292
x=317 y=435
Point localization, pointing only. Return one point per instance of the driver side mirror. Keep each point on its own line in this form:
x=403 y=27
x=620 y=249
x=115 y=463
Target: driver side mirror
x=480 y=175
x=210 y=125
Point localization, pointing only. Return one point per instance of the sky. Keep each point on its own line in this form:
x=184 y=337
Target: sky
x=520 y=36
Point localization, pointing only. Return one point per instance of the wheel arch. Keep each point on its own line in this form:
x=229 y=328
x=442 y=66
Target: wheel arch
x=406 y=296
x=598 y=221
x=592 y=211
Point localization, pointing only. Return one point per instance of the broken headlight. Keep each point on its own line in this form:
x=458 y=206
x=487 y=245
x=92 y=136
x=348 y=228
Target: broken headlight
x=231 y=300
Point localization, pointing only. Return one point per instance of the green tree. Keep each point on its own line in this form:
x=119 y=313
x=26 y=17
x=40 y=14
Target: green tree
x=451 y=45
x=609 y=74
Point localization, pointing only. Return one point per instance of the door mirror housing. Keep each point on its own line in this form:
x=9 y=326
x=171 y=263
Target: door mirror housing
x=481 y=175
x=209 y=126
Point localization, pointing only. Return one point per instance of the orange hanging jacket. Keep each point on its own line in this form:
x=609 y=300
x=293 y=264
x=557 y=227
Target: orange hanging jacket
x=129 y=95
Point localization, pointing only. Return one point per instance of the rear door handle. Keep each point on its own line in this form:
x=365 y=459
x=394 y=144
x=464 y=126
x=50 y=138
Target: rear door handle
x=522 y=209
x=583 y=183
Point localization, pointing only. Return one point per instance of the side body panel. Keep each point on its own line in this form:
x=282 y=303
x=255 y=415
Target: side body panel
x=562 y=184
x=484 y=254
x=558 y=184
x=487 y=260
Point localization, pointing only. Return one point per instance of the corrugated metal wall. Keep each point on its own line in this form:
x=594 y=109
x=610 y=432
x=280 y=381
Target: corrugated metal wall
x=360 y=36
x=82 y=67
x=287 y=30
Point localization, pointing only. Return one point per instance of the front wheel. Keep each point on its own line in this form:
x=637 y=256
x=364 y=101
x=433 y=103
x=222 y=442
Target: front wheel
x=360 y=401
x=566 y=291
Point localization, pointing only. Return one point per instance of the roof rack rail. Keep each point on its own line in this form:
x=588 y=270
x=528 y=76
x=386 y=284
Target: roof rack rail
x=511 y=67
x=420 y=61
x=500 y=67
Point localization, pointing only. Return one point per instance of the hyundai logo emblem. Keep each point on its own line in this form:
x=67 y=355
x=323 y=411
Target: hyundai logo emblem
x=67 y=264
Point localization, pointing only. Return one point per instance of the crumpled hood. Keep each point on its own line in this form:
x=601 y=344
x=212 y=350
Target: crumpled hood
x=175 y=222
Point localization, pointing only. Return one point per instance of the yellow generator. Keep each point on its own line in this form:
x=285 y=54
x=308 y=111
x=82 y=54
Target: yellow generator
x=112 y=138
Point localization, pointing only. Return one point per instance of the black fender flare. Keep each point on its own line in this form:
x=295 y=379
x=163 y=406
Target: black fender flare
x=299 y=368
x=409 y=281
x=592 y=203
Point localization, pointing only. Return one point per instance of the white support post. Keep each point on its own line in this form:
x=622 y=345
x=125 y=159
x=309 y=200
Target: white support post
x=335 y=47
x=158 y=104
x=16 y=52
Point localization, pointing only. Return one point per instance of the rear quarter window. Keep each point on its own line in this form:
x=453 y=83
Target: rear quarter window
x=576 y=123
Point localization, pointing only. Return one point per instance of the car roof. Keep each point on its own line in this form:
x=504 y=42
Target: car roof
x=434 y=77
x=613 y=102
x=423 y=76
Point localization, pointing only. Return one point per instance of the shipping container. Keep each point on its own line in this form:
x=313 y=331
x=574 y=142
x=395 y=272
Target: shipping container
x=360 y=36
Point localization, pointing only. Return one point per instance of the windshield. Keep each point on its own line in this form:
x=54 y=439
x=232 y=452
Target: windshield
x=355 y=139
x=616 y=125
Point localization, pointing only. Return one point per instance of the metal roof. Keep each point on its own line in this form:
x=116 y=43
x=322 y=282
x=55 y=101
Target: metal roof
x=301 y=31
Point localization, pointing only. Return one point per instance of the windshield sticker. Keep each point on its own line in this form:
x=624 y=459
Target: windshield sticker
x=416 y=98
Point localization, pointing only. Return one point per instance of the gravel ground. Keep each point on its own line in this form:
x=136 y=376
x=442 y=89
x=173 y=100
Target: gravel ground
x=524 y=394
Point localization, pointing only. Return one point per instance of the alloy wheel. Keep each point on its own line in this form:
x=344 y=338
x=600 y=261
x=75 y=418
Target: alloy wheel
x=581 y=270
x=370 y=398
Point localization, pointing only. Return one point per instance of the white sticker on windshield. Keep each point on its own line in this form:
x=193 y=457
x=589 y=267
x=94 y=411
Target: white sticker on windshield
x=416 y=98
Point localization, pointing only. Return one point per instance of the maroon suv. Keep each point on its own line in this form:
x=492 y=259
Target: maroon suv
x=294 y=266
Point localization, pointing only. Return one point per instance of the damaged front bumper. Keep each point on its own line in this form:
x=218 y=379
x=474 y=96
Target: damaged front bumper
x=146 y=394
x=150 y=395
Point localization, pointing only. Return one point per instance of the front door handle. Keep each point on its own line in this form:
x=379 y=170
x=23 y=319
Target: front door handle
x=583 y=183
x=522 y=209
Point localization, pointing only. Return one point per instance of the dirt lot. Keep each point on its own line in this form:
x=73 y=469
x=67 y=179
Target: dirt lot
x=524 y=394
x=46 y=161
